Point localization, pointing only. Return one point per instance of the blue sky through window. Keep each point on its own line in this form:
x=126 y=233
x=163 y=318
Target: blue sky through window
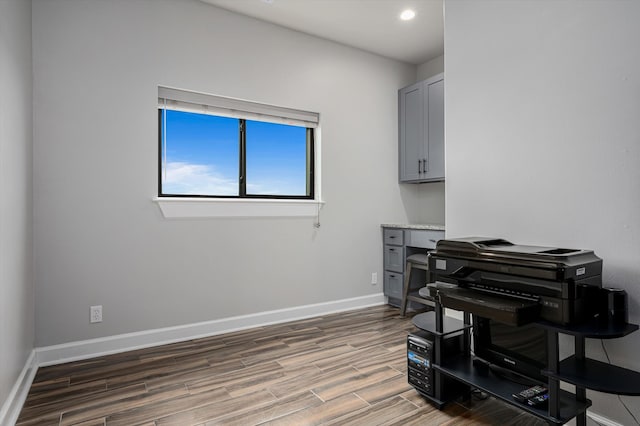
x=201 y=156
x=276 y=159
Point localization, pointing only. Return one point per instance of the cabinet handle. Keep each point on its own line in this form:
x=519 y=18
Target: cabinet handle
x=392 y=249
x=424 y=165
x=419 y=166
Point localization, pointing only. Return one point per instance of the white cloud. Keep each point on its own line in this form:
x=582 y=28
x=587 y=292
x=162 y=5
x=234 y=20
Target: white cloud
x=197 y=179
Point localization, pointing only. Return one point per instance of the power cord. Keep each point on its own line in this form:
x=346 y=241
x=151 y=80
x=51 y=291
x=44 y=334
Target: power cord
x=619 y=398
x=317 y=222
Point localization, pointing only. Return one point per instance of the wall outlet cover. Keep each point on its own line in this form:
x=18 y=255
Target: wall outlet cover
x=96 y=314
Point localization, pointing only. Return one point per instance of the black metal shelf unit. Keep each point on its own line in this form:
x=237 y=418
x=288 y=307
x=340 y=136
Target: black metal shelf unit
x=582 y=372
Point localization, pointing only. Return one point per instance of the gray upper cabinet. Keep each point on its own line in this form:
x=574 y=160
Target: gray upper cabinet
x=421 y=131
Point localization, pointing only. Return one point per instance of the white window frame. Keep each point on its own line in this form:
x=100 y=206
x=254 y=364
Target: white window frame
x=210 y=207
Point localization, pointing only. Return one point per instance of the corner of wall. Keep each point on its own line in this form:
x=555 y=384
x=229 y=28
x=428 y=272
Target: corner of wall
x=430 y=68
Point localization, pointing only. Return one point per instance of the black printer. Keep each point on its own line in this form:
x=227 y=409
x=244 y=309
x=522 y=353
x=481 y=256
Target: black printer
x=516 y=284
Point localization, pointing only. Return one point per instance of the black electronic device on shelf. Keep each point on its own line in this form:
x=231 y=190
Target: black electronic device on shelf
x=529 y=393
x=522 y=349
x=424 y=349
x=419 y=361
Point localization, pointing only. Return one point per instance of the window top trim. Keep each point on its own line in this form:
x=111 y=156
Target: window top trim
x=204 y=103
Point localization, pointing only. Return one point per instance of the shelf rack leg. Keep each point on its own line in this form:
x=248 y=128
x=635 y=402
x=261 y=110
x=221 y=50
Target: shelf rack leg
x=553 y=384
x=437 y=377
x=439 y=318
x=466 y=345
x=581 y=393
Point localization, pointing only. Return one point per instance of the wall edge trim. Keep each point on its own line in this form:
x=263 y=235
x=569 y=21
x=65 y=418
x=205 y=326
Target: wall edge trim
x=13 y=404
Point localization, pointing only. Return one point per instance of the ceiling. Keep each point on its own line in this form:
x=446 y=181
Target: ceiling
x=371 y=25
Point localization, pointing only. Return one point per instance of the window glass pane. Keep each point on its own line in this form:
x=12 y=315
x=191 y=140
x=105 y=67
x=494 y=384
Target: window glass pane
x=276 y=159
x=200 y=154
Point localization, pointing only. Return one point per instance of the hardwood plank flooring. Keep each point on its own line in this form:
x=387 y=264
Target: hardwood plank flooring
x=341 y=369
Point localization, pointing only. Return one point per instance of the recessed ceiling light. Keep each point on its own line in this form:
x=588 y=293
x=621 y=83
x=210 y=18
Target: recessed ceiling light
x=407 y=15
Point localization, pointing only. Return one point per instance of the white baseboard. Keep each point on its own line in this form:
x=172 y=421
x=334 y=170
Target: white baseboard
x=13 y=404
x=74 y=351
x=600 y=420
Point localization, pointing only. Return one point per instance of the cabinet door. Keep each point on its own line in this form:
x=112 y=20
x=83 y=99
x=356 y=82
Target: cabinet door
x=411 y=132
x=394 y=258
x=393 y=284
x=434 y=117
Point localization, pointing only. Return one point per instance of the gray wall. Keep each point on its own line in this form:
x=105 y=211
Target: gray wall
x=424 y=202
x=430 y=68
x=99 y=239
x=543 y=138
x=16 y=258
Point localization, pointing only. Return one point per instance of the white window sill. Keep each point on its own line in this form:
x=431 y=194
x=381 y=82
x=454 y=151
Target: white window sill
x=218 y=207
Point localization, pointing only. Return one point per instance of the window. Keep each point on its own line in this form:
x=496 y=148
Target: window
x=219 y=147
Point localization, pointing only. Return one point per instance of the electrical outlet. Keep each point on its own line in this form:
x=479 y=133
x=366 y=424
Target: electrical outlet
x=96 y=314
x=374 y=278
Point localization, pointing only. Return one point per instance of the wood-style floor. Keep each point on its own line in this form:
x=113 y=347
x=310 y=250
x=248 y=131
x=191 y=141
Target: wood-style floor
x=342 y=369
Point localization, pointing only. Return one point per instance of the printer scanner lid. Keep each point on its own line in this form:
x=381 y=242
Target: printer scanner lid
x=503 y=251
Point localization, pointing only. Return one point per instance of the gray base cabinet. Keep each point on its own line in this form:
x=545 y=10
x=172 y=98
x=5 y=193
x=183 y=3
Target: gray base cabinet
x=399 y=243
x=393 y=282
x=393 y=264
x=421 y=131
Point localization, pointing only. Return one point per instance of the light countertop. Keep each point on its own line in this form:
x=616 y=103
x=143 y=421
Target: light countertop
x=414 y=226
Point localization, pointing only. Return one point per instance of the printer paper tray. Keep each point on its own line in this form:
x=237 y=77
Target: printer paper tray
x=509 y=311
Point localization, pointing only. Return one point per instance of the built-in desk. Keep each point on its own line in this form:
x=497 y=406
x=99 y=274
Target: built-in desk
x=401 y=241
